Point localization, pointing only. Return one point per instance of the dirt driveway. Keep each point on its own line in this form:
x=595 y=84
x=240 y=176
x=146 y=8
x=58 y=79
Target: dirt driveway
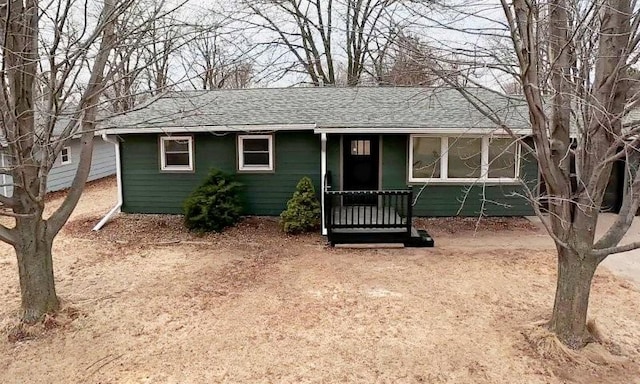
x=153 y=304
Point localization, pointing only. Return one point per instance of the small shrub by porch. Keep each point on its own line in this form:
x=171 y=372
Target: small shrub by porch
x=303 y=209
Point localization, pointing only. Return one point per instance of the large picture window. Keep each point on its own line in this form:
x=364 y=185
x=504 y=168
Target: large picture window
x=463 y=159
x=176 y=153
x=255 y=153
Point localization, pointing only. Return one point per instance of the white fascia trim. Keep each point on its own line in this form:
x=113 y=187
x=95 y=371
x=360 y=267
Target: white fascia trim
x=211 y=128
x=432 y=130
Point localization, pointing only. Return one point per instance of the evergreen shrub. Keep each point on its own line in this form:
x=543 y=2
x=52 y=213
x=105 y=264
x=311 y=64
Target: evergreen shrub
x=214 y=205
x=303 y=209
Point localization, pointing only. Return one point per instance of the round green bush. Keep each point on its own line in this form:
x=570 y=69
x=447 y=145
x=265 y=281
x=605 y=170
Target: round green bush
x=303 y=210
x=214 y=205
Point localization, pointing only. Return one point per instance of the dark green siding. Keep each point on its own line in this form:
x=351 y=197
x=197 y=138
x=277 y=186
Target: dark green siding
x=394 y=161
x=454 y=200
x=148 y=190
x=297 y=154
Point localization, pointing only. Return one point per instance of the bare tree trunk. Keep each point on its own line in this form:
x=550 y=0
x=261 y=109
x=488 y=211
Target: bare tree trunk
x=33 y=153
x=569 y=317
x=35 y=266
x=573 y=64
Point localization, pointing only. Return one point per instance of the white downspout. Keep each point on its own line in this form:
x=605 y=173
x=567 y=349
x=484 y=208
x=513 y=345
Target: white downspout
x=117 y=207
x=323 y=173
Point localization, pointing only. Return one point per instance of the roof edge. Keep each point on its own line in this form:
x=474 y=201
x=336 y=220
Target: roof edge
x=210 y=128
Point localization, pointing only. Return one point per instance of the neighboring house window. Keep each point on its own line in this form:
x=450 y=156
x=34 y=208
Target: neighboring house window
x=255 y=152
x=65 y=156
x=176 y=153
x=466 y=159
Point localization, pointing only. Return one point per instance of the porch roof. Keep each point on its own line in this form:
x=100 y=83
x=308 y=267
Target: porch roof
x=377 y=109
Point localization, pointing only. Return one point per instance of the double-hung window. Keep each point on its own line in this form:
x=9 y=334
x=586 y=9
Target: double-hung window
x=255 y=153
x=176 y=153
x=463 y=158
x=65 y=156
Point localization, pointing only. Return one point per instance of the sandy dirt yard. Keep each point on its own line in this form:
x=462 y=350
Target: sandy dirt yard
x=146 y=302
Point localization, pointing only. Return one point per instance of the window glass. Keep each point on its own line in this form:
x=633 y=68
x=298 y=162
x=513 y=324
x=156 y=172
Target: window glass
x=177 y=159
x=176 y=146
x=502 y=158
x=426 y=157
x=256 y=158
x=255 y=145
x=465 y=158
x=360 y=147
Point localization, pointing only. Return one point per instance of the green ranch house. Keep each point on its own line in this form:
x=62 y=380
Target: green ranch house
x=378 y=156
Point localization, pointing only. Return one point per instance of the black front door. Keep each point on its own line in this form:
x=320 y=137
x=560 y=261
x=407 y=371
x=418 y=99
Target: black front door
x=361 y=162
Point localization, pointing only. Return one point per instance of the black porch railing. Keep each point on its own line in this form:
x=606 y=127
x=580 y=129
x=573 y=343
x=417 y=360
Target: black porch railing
x=375 y=215
x=371 y=217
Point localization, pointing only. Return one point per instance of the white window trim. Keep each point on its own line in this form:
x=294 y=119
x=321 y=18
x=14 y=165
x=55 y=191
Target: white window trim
x=263 y=168
x=163 y=157
x=444 y=162
x=68 y=149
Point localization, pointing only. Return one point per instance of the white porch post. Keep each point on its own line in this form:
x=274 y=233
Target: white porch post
x=323 y=173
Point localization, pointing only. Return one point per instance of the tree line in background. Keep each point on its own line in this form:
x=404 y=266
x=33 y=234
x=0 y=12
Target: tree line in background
x=282 y=42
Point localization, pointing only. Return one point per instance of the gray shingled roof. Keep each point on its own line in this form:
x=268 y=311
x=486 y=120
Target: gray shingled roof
x=327 y=107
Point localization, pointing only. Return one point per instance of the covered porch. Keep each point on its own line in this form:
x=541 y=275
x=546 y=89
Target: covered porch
x=356 y=206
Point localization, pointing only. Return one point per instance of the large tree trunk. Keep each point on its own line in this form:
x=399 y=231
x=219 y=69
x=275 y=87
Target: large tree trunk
x=569 y=318
x=35 y=266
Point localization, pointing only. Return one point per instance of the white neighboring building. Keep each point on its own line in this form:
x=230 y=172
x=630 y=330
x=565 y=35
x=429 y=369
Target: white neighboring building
x=103 y=164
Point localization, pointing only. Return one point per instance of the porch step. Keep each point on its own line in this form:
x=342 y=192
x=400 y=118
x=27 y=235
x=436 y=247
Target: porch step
x=370 y=245
x=374 y=239
x=419 y=239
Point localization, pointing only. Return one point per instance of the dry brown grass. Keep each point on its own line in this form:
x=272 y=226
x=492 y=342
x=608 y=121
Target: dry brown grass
x=453 y=225
x=21 y=332
x=254 y=305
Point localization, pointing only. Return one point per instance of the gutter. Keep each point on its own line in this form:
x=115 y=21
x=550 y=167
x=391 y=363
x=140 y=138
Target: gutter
x=118 y=205
x=168 y=127
x=436 y=131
